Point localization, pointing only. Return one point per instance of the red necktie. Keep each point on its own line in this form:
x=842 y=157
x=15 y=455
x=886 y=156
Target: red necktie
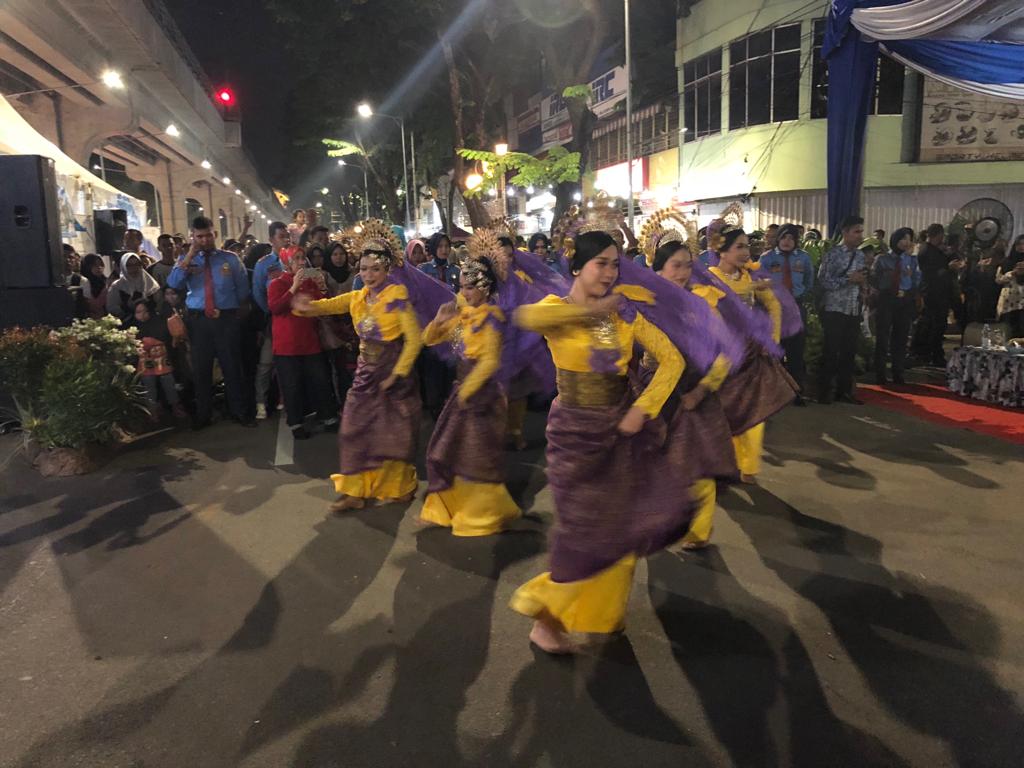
x=210 y=307
x=787 y=274
x=896 y=274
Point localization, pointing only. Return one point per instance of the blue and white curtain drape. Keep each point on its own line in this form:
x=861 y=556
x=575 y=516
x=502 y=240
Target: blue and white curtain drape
x=977 y=45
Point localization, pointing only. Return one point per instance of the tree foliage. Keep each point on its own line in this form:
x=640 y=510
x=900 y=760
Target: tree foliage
x=558 y=166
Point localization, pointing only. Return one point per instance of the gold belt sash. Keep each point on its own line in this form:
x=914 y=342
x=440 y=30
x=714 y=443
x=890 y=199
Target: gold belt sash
x=586 y=389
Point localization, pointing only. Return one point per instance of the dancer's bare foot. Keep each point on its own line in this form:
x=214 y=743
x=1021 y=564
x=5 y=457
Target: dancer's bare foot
x=550 y=639
x=346 y=503
x=748 y=479
x=689 y=546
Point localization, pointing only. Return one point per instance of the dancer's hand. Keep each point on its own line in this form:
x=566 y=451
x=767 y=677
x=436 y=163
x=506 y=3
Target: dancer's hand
x=693 y=398
x=446 y=312
x=632 y=422
x=301 y=302
x=388 y=383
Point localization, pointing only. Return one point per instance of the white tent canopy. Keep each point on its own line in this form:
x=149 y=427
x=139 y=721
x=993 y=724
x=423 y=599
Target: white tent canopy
x=17 y=137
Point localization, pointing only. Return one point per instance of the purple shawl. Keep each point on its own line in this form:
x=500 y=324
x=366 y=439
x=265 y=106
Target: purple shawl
x=426 y=294
x=525 y=351
x=744 y=320
x=687 y=320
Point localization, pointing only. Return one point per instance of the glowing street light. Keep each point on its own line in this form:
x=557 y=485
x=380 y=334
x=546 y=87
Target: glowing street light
x=238 y=192
x=227 y=181
x=501 y=149
x=252 y=207
x=341 y=161
x=474 y=180
x=365 y=111
x=325 y=191
x=319 y=204
x=172 y=130
x=112 y=79
x=206 y=164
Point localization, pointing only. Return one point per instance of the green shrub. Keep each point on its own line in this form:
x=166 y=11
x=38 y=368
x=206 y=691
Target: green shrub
x=74 y=386
x=24 y=356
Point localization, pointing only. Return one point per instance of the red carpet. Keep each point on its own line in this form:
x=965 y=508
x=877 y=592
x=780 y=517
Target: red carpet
x=940 y=406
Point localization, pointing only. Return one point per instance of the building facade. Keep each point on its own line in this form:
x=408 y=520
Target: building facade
x=753 y=98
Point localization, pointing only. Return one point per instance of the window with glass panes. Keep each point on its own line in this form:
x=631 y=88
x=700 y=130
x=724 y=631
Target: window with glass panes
x=764 y=77
x=888 y=99
x=702 y=95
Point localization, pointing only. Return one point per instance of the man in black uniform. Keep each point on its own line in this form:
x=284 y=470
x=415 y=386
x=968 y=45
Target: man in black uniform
x=938 y=277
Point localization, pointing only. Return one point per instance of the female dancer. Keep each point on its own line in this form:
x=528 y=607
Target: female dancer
x=701 y=426
x=603 y=455
x=380 y=422
x=769 y=389
x=465 y=464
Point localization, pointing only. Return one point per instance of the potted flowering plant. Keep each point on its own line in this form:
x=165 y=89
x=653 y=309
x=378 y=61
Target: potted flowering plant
x=72 y=388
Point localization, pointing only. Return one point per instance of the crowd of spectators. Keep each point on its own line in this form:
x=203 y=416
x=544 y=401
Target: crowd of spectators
x=195 y=305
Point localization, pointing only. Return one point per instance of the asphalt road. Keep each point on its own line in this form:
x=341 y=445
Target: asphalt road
x=193 y=605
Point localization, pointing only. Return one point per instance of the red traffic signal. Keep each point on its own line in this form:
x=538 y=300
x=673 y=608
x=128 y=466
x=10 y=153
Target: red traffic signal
x=226 y=97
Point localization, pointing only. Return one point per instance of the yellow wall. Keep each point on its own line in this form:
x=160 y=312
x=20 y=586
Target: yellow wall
x=735 y=163
x=738 y=162
x=663 y=169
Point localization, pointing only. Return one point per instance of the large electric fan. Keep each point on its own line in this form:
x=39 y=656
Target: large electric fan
x=984 y=221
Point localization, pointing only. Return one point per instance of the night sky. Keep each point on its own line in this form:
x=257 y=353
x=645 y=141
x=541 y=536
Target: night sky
x=234 y=42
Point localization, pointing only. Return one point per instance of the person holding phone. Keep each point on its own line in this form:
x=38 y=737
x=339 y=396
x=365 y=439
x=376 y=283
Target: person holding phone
x=298 y=357
x=217 y=285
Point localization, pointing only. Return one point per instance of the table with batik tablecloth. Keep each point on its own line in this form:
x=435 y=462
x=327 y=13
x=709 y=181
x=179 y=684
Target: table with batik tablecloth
x=993 y=375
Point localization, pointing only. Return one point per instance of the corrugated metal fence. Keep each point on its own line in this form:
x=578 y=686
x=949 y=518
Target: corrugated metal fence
x=891 y=207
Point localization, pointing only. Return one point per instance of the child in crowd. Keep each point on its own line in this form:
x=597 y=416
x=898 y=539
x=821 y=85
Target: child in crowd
x=155 y=369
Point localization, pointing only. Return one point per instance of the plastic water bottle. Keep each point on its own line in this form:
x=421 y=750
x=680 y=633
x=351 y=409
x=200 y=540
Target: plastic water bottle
x=986 y=337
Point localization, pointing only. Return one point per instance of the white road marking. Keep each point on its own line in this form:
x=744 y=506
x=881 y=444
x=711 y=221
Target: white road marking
x=284 y=454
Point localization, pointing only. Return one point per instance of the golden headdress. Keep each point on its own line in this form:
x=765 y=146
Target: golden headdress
x=733 y=214
x=503 y=226
x=484 y=244
x=373 y=237
x=717 y=239
x=655 y=233
x=575 y=222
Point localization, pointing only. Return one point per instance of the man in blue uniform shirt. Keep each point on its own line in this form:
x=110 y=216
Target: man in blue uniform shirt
x=267 y=268
x=843 y=275
x=897 y=278
x=792 y=268
x=217 y=286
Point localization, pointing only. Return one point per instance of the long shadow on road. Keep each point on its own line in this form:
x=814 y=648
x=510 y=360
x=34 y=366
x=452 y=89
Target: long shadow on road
x=921 y=649
x=753 y=675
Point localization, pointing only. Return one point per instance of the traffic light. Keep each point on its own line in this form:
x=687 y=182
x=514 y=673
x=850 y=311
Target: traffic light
x=227 y=104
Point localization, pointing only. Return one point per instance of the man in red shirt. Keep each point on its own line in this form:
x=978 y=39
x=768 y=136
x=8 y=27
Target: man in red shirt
x=302 y=372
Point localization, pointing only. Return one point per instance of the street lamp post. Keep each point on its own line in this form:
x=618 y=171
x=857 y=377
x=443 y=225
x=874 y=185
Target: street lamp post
x=629 y=115
x=501 y=150
x=366 y=111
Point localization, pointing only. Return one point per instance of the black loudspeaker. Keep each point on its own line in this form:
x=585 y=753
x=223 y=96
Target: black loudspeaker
x=28 y=307
x=31 y=255
x=110 y=228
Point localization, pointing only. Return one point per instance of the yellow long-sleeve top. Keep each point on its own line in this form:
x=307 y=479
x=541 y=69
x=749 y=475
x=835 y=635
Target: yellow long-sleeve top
x=579 y=343
x=384 y=316
x=476 y=335
x=744 y=285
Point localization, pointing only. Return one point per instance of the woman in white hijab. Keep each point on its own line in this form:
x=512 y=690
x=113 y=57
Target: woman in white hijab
x=133 y=285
